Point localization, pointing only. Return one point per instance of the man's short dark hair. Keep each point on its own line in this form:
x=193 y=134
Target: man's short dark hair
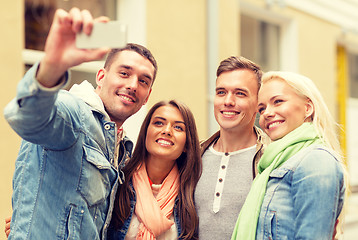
x=143 y=51
x=239 y=63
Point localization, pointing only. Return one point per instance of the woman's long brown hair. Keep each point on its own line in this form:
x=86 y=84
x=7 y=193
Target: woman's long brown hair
x=189 y=165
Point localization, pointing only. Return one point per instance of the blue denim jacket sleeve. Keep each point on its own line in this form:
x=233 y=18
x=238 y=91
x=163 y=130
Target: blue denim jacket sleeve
x=317 y=190
x=38 y=118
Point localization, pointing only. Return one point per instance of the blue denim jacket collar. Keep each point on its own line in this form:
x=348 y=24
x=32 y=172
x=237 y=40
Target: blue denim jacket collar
x=86 y=92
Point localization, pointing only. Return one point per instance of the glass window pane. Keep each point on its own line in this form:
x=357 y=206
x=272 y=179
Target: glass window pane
x=353 y=75
x=39 y=15
x=260 y=42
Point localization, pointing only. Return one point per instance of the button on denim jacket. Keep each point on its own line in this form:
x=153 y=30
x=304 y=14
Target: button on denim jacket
x=120 y=234
x=64 y=183
x=304 y=197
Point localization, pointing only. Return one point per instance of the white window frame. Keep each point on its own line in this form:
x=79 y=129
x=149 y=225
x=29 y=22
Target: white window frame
x=288 y=47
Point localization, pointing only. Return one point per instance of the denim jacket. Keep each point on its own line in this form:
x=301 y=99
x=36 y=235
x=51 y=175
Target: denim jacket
x=64 y=182
x=304 y=197
x=119 y=234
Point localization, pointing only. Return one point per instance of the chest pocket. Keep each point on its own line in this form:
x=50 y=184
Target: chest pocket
x=279 y=173
x=96 y=176
x=277 y=187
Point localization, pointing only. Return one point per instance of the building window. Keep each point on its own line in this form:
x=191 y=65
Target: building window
x=353 y=75
x=39 y=15
x=260 y=41
x=38 y=19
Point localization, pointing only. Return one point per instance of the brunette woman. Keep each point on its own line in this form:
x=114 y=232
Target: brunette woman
x=156 y=201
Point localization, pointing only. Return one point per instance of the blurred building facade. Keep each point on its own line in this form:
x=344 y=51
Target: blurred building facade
x=316 y=38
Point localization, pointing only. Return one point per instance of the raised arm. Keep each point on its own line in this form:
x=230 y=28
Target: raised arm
x=35 y=114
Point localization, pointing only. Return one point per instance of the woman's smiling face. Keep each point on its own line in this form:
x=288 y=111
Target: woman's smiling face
x=166 y=136
x=281 y=109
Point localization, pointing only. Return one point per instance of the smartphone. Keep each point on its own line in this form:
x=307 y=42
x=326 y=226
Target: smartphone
x=112 y=34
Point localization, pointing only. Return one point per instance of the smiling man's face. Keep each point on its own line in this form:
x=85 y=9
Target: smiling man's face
x=125 y=86
x=235 y=102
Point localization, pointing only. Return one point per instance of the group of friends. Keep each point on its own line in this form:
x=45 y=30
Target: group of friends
x=77 y=178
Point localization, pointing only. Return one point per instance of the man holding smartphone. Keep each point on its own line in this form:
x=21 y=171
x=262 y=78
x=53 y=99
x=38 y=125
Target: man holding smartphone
x=73 y=147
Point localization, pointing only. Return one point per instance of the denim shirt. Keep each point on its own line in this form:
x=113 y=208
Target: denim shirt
x=304 y=197
x=120 y=234
x=64 y=183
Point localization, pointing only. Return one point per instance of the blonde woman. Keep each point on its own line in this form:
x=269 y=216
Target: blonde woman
x=300 y=189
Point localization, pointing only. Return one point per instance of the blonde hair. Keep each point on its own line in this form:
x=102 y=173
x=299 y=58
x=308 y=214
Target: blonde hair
x=321 y=118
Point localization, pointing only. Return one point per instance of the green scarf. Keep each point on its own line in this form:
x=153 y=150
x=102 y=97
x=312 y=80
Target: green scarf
x=274 y=156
